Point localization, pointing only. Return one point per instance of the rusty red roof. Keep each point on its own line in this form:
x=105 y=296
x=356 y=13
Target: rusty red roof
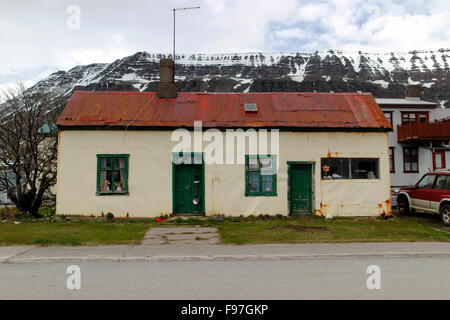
x=223 y=110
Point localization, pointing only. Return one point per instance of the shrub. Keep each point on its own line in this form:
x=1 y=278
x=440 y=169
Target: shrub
x=8 y=213
x=279 y=216
x=210 y=220
x=192 y=221
x=178 y=220
x=109 y=216
x=233 y=219
x=251 y=217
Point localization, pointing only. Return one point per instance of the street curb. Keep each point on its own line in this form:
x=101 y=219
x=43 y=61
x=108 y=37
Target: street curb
x=18 y=260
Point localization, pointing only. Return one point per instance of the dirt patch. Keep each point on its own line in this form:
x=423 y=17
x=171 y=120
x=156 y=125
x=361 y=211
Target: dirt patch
x=300 y=228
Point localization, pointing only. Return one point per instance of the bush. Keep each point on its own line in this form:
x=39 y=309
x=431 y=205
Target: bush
x=109 y=216
x=8 y=213
x=233 y=219
x=178 y=220
x=210 y=220
x=279 y=216
x=192 y=221
x=47 y=211
x=251 y=217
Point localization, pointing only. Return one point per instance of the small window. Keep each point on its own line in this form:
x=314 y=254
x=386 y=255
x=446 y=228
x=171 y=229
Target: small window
x=410 y=159
x=426 y=182
x=442 y=182
x=335 y=168
x=388 y=115
x=260 y=175
x=392 y=159
x=364 y=168
x=112 y=174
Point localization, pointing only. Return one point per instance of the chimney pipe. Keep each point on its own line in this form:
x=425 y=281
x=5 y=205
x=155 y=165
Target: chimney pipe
x=166 y=87
x=413 y=92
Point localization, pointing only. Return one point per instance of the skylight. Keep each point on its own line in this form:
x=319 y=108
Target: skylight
x=250 y=107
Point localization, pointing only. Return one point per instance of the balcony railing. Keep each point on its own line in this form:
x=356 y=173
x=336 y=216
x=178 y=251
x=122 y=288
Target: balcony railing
x=424 y=131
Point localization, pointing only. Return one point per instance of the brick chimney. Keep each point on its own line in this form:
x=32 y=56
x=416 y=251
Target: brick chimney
x=166 y=87
x=413 y=92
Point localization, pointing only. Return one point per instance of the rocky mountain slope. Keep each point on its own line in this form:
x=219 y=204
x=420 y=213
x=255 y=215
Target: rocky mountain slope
x=382 y=74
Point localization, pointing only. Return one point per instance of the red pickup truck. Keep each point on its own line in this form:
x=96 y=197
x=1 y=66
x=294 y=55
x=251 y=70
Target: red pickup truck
x=431 y=194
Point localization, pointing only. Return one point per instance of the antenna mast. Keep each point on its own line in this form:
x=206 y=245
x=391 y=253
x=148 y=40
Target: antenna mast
x=174 y=10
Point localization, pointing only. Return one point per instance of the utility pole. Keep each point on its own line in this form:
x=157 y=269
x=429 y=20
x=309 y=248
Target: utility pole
x=174 y=10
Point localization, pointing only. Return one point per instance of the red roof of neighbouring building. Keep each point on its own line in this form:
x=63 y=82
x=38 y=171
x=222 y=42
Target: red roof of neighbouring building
x=223 y=110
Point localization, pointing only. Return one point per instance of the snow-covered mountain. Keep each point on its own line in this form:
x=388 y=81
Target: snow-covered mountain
x=382 y=74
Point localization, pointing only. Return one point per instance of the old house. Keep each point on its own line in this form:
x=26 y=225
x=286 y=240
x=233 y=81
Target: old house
x=146 y=153
x=419 y=142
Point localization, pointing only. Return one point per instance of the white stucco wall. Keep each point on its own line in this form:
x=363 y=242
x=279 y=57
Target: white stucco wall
x=150 y=175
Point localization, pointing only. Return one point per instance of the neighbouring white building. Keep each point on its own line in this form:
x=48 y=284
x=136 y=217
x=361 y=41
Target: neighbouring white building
x=419 y=142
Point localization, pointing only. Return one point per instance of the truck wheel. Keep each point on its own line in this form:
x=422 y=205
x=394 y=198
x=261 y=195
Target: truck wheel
x=445 y=214
x=403 y=207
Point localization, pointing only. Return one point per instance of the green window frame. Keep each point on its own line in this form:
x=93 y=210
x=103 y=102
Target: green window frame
x=111 y=168
x=260 y=180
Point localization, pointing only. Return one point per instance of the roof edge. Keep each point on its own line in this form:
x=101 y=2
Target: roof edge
x=166 y=128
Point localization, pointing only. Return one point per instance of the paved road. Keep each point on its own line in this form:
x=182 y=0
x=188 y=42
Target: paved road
x=208 y=252
x=401 y=278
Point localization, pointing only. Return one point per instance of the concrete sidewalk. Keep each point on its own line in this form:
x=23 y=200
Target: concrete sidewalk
x=211 y=252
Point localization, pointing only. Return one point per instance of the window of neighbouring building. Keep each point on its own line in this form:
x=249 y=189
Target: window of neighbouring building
x=438 y=160
x=112 y=174
x=410 y=159
x=260 y=175
x=388 y=115
x=408 y=117
x=392 y=159
x=350 y=168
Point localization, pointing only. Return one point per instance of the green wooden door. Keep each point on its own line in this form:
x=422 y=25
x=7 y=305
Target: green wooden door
x=300 y=189
x=188 y=189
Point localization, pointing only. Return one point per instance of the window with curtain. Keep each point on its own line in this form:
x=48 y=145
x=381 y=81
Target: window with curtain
x=112 y=174
x=260 y=175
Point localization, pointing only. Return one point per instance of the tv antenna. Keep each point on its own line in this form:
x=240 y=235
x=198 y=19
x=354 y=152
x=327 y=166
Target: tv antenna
x=175 y=10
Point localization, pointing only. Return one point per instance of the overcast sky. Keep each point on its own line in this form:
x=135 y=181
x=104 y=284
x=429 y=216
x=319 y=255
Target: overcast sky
x=42 y=36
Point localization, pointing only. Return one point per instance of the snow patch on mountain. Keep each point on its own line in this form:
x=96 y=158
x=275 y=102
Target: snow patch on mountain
x=383 y=74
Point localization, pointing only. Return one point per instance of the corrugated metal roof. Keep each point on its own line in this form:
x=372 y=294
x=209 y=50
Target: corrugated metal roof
x=222 y=110
x=408 y=102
